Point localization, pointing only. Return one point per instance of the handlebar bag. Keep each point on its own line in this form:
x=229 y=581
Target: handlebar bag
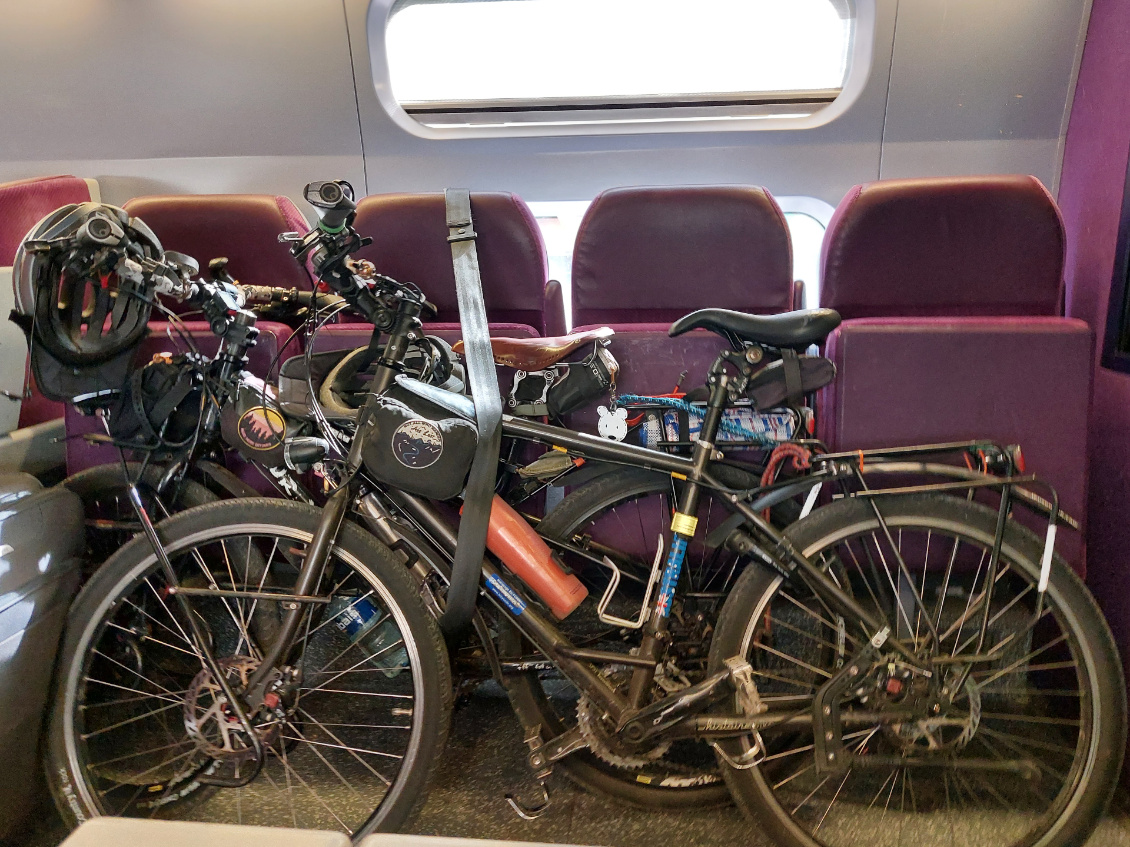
x=160 y=405
x=417 y=446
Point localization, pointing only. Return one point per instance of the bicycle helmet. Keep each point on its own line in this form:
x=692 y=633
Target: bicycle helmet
x=78 y=277
x=346 y=386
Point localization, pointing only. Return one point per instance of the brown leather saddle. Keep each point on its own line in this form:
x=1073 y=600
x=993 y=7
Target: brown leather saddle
x=535 y=354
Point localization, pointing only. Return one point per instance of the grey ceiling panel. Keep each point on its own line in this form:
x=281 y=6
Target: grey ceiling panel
x=258 y=95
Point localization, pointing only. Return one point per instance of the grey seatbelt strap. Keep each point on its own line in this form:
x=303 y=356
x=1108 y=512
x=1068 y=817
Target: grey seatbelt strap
x=483 y=382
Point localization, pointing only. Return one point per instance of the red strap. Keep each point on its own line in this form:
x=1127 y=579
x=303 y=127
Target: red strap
x=800 y=460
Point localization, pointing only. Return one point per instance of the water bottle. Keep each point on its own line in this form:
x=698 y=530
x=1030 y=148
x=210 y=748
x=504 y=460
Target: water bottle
x=376 y=633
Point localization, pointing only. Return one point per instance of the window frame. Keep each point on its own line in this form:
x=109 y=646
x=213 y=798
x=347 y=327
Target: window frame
x=711 y=113
x=1116 y=355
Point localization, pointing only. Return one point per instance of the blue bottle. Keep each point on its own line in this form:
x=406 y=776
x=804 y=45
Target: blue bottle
x=376 y=633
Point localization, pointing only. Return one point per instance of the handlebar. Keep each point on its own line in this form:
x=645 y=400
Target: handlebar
x=266 y=295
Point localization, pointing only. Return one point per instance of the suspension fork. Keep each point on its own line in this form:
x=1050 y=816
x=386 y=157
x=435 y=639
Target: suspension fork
x=683 y=526
x=333 y=516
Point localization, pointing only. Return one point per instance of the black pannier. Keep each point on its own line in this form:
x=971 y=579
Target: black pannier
x=418 y=446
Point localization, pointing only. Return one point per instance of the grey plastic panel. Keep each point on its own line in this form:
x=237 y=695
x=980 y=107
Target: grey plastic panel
x=39 y=573
x=168 y=96
x=117 y=832
x=389 y=839
x=981 y=87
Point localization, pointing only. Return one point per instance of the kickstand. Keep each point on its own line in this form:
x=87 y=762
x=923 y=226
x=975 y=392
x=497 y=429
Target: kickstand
x=531 y=812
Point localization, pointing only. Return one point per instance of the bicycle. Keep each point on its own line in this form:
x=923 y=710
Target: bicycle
x=902 y=664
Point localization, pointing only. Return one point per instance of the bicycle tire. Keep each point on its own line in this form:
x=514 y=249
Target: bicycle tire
x=93 y=661
x=1012 y=708
x=102 y=490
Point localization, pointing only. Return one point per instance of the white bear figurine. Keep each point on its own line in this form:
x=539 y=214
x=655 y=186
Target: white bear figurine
x=613 y=425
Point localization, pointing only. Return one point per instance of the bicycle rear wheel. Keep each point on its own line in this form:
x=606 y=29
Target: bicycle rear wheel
x=109 y=516
x=1015 y=739
x=351 y=734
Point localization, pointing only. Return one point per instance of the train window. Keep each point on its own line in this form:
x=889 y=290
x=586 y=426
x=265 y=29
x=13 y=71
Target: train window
x=561 y=64
x=807 y=235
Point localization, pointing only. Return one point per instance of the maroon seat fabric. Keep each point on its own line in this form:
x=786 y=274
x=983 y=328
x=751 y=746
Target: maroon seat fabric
x=23 y=204
x=409 y=233
x=263 y=360
x=243 y=227
x=652 y=363
x=985 y=245
x=653 y=254
x=1027 y=381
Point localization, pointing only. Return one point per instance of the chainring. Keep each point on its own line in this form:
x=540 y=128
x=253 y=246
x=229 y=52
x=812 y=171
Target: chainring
x=603 y=744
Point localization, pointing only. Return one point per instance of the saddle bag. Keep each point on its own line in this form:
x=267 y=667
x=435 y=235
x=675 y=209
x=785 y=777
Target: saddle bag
x=788 y=380
x=418 y=446
x=563 y=388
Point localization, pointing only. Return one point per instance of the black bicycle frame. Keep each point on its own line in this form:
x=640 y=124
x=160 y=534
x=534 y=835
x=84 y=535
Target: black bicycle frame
x=634 y=717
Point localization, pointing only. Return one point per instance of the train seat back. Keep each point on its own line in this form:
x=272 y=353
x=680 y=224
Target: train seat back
x=244 y=228
x=647 y=256
x=961 y=246
x=22 y=204
x=653 y=254
x=409 y=233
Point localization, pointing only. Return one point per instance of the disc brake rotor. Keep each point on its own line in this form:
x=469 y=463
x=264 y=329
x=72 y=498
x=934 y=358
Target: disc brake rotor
x=210 y=720
x=950 y=730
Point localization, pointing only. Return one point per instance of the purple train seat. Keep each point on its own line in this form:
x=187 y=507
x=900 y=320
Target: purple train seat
x=22 y=204
x=409 y=233
x=974 y=347
x=242 y=227
x=647 y=256
x=653 y=254
x=25 y=201
x=990 y=245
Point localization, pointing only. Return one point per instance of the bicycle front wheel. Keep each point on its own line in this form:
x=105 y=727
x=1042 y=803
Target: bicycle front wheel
x=354 y=722
x=1014 y=736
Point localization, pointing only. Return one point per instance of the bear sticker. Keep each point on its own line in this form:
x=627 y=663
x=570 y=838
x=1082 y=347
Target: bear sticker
x=417 y=444
x=261 y=428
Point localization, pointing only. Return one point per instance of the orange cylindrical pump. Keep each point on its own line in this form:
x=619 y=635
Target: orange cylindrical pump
x=524 y=552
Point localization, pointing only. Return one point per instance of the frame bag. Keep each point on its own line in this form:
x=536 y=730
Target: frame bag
x=419 y=447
